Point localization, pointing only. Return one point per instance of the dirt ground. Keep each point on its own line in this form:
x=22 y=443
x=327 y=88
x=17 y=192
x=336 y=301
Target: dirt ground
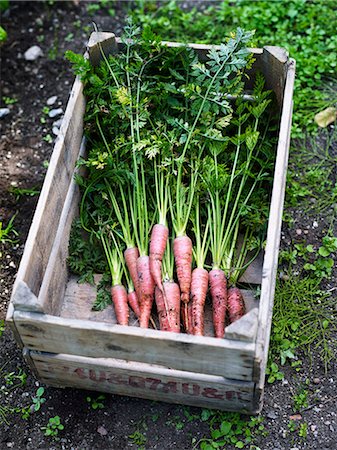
x=25 y=148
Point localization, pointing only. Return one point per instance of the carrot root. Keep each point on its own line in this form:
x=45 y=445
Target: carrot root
x=120 y=300
x=169 y=320
x=236 y=304
x=218 y=288
x=131 y=255
x=199 y=286
x=146 y=288
x=182 y=249
x=158 y=242
x=133 y=302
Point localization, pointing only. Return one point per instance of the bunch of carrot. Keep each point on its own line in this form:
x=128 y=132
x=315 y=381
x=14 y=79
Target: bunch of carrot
x=177 y=170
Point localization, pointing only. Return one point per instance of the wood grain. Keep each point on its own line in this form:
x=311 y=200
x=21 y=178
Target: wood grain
x=231 y=359
x=144 y=381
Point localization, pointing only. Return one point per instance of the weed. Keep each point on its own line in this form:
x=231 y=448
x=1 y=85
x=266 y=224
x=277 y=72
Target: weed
x=3 y=35
x=96 y=403
x=273 y=373
x=40 y=38
x=92 y=8
x=20 y=192
x=292 y=425
x=69 y=37
x=77 y=24
x=38 y=400
x=230 y=429
x=302 y=319
x=16 y=379
x=2 y=327
x=6 y=233
x=303 y=430
x=300 y=400
x=53 y=427
x=138 y=436
x=176 y=422
x=9 y=100
x=48 y=138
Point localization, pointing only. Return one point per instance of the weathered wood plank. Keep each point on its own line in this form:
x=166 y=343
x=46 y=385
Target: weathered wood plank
x=99 y=42
x=46 y=218
x=207 y=355
x=144 y=381
x=274 y=226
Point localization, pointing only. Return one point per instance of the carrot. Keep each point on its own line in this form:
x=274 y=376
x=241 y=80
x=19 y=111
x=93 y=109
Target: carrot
x=133 y=302
x=172 y=293
x=131 y=255
x=218 y=288
x=182 y=249
x=161 y=310
x=158 y=241
x=199 y=287
x=120 y=301
x=146 y=288
x=236 y=304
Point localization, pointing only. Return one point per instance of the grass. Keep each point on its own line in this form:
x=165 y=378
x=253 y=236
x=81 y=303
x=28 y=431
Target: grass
x=305 y=28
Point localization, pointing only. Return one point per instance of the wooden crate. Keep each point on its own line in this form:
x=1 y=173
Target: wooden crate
x=67 y=344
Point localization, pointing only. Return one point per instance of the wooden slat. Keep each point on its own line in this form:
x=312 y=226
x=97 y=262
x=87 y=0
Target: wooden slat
x=101 y=42
x=207 y=355
x=46 y=218
x=144 y=381
x=274 y=226
x=55 y=279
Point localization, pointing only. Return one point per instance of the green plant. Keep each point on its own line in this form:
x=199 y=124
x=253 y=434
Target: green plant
x=2 y=327
x=92 y=8
x=138 y=437
x=5 y=233
x=53 y=427
x=230 y=429
x=302 y=319
x=273 y=373
x=3 y=35
x=48 y=138
x=96 y=403
x=69 y=37
x=19 y=192
x=300 y=26
x=300 y=400
x=9 y=100
x=16 y=379
x=292 y=425
x=303 y=430
x=38 y=400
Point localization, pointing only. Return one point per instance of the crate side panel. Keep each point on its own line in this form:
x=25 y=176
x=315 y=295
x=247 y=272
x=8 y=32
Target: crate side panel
x=144 y=381
x=274 y=228
x=46 y=218
x=231 y=359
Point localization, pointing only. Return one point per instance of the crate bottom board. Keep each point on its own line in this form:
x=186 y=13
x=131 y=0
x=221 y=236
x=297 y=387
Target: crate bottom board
x=145 y=381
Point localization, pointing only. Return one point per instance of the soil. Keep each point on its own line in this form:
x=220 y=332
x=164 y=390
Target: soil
x=24 y=155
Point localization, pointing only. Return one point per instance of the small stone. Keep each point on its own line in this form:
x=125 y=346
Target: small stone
x=316 y=381
x=314 y=224
x=4 y=112
x=55 y=131
x=51 y=100
x=10 y=444
x=33 y=53
x=313 y=428
x=12 y=264
x=298 y=231
x=58 y=122
x=271 y=415
x=55 y=112
x=284 y=276
x=102 y=431
x=295 y=417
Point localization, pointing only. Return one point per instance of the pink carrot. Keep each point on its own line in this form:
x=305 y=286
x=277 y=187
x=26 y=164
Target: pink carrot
x=145 y=290
x=172 y=294
x=120 y=301
x=158 y=241
x=218 y=288
x=131 y=255
x=236 y=304
x=199 y=287
x=182 y=249
x=161 y=309
x=186 y=317
x=133 y=302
